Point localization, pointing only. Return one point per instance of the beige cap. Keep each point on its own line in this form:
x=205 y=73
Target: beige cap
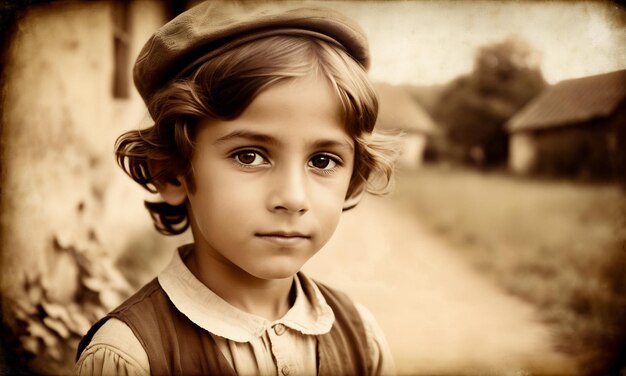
x=201 y=33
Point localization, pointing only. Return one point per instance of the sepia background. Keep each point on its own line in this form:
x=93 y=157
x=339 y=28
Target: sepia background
x=502 y=249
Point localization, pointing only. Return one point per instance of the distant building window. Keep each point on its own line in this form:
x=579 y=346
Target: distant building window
x=121 y=49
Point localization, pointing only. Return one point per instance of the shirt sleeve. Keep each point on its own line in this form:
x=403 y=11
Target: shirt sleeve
x=114 y=350
x=382 y=360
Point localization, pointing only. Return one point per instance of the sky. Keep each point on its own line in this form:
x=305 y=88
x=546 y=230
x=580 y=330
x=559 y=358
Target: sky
x=432 y=42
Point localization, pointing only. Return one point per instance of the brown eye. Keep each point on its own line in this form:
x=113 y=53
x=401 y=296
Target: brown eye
x=322 y=162
x=250 y=158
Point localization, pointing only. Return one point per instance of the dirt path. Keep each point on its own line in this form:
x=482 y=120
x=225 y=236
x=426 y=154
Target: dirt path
x=439 y=315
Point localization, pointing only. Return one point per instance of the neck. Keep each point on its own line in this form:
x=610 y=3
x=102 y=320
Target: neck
x=270 y=299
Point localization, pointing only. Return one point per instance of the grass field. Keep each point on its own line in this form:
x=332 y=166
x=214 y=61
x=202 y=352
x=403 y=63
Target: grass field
x=556 y=244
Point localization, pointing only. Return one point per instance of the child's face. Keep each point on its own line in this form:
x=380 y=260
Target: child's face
x=271 y=184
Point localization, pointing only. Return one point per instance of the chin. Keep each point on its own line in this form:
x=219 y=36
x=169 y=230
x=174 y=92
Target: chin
x=278 y=271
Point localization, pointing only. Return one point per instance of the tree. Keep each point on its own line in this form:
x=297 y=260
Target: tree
x=474 y=108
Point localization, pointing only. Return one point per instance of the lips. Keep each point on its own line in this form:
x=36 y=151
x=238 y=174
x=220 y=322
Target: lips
x=283 y=238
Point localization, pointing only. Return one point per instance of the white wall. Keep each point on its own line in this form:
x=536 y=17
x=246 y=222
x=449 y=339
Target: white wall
x=522 y=154
x=412 y=155
x=60 y=123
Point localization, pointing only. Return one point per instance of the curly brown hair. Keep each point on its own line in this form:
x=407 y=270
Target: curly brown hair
x=223 y=87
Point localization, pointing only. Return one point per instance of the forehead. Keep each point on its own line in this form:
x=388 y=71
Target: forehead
x=304 y=98
x=304 y=109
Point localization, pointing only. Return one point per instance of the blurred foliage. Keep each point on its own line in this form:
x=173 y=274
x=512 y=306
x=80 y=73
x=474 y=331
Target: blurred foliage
x=44 y=326
x=474 y=108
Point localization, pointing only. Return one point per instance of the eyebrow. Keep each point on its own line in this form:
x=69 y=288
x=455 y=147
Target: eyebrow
x=248 y=135
x=267 y=139
x=323 y=144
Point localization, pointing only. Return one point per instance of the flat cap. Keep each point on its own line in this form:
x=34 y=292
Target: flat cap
x=204 y=30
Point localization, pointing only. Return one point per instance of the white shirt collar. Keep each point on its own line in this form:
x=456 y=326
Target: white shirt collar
x=310 y=314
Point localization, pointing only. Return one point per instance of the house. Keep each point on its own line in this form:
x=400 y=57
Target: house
x=67 y=94
x=399 y=112
x=576 y=128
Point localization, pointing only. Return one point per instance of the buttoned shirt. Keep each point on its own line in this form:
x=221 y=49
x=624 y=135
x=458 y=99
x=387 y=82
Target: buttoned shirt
x=251 y=344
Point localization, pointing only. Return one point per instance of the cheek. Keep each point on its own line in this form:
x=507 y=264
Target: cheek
x=329 y=220
x=217 y=199
x=330 y=202
x=222 y=216
x=225 y=199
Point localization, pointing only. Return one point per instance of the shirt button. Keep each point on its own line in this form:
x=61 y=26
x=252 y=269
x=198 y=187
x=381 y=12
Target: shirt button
x=279 y=329
x=285 y=371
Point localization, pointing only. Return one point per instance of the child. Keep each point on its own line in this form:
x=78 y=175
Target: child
x=262 y=135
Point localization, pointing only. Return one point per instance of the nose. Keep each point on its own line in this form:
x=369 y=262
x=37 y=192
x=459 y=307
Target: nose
x=289 y=190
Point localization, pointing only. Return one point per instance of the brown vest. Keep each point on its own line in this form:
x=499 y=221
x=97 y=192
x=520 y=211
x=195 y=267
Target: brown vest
x=177 y=346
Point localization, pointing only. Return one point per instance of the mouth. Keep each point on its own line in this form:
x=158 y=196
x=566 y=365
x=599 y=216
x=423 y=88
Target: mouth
x=283 y=238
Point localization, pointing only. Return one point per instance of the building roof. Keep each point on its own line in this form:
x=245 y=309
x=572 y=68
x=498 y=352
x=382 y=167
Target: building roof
x=572 y=102
x=398 y=111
